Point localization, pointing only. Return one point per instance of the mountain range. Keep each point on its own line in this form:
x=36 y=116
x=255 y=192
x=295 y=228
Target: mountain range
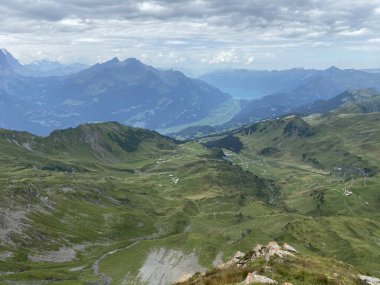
x=125 y=91
x=40 y=68
x=43 y=96
x=288 y=91
x=278 y=105
x=355 y=101
x=348 y=102
x=293 y=86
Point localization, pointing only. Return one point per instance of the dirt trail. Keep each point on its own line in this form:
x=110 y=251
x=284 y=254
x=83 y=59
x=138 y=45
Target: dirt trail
x=96 y=266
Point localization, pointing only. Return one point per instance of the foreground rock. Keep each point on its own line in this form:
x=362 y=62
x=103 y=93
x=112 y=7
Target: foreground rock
x=279 y=264
x=267 y=251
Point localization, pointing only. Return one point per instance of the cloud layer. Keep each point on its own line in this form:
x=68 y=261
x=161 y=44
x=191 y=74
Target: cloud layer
x=196 y=33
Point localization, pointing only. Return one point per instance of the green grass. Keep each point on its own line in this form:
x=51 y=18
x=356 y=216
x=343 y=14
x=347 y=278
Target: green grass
x=298 y=270
x=100 y=188
x=332 y=224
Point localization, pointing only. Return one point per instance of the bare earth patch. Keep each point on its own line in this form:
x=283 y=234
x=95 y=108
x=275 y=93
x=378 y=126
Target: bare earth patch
x=64 y=254
x=218 y=259
x=166 y=266
x=11 y=222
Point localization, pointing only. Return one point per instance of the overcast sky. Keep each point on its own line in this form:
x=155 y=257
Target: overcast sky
x=196 y=34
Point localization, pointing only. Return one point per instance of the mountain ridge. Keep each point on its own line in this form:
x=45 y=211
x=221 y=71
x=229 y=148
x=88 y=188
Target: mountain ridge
x=39 y=68
x=265 y=109
x=264 y=83
x=126 y=91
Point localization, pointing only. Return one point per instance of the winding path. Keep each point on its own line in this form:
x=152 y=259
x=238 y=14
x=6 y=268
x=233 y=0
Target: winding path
x=96 y=266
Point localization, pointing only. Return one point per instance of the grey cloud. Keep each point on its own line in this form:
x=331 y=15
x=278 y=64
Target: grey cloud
x=186 y=8
x=248 y=14
x=191 y=29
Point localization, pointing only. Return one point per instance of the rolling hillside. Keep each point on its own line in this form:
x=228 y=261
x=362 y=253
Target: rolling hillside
x=111 y=204
x=350 y=101
x=71 y=197
x=328 y=171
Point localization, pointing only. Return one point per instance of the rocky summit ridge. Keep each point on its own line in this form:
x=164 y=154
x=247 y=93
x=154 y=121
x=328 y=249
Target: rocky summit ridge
x=280 y=264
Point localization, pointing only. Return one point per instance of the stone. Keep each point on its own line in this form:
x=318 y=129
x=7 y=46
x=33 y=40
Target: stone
x=184 y=278
x=258 y=251
x=267 y=251
x=239 y=255
x=288 y=247
x=256 y=278
x=236 y=260
x=273 y=249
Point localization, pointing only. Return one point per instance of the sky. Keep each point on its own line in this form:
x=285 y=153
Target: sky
x=196 y=35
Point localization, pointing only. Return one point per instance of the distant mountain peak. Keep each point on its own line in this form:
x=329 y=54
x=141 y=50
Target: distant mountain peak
x=4 y=51
x=109 y=63
x=134 y=63
x=115 y=59
x=8 y=62
x=332 y=68
x=132 y=60
x=112 y=61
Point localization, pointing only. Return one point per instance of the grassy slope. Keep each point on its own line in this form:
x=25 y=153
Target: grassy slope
x=78 y=187
x=301 y=269
x=97 y=193
x=328 y=223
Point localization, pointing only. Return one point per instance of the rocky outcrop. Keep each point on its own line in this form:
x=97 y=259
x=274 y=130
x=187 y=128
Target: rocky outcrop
x=278 y=264
x=268 y=251
x=272 y=249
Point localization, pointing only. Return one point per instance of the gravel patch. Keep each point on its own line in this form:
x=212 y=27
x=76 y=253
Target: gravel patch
x=166 y=266
x=11 y=222
x=64 y=254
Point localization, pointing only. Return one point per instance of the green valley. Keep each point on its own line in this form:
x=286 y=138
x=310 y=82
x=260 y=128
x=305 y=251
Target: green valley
x=109 y=204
